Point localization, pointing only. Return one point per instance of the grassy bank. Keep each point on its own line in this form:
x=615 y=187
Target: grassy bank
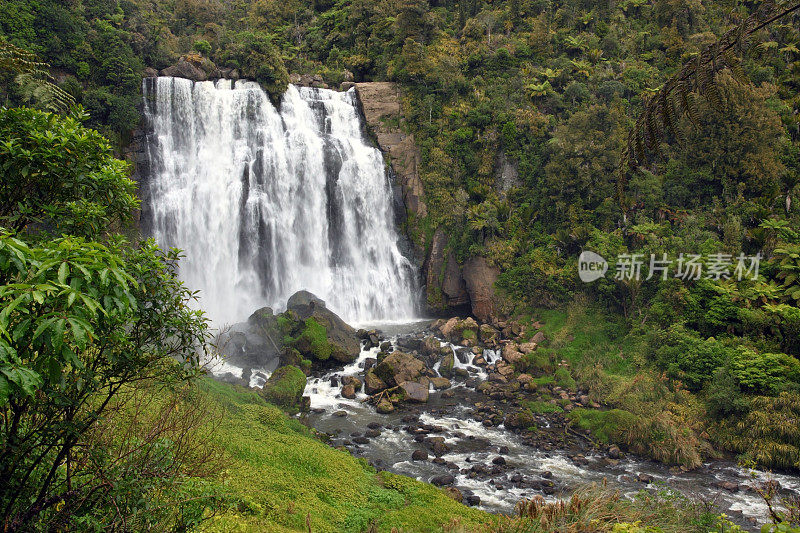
x=280 y=476
x=645 y=407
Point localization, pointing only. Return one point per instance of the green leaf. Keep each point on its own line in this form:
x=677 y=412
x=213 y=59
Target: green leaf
x=5 y=390
x=62 y=273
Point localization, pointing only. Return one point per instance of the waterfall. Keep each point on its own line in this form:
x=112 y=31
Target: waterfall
x=265 y=202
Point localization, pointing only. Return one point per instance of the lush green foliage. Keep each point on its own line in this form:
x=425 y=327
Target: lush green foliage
x=59 y=175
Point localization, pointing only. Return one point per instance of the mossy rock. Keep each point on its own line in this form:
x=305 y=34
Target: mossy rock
x=313 y=341
x=285 y=387
x=446 y=368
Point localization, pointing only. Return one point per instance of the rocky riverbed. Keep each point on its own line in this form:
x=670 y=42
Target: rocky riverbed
x=470 y=438
x=449 y=402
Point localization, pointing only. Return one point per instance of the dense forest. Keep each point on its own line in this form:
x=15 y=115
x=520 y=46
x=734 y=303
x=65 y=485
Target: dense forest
x=522 y=111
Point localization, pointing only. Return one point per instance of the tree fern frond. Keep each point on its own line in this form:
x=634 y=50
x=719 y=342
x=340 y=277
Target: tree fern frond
x=697 y=78
x=33 y=78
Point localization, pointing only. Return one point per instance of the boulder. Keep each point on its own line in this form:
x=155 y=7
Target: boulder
x=448 y=328
x=352 y=380
x=442 y=480
x=528 y=347
x=285 y=387
x=372 y=383
x=488 y=335
x=185 y=69
x=430 y=346
x=511 y=354
x=539 y=337
x=446 y=366
x=256 y=343
x=399 y=367
x=150 y=72
x=349 y=392
x=419 y=455
x=414 y=391
x=519 y=420
x=384 y=406
x=345 y=346
x=441 y=383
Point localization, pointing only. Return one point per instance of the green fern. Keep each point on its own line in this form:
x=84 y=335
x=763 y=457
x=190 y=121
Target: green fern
x=33 y=78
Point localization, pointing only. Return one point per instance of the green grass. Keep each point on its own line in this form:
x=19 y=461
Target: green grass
x=541 y=407
x=606 y=426
x=279 y=473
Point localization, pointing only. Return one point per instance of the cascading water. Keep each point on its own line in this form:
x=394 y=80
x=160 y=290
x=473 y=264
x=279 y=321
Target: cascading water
x=266 y=201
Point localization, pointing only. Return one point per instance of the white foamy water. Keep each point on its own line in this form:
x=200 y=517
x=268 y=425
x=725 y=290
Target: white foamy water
x=267 y=201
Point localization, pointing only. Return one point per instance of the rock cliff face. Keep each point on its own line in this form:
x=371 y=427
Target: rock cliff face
x=382 y=111
x=449 y=284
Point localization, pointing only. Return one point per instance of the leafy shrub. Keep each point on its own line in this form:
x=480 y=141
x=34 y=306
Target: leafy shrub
x=765 y=373
x=687 y=357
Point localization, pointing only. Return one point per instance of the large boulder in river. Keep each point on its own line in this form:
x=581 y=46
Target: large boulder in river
x=256 y=343
x=414 y=391
x=372 y=383
x=343 y=340
x=285 y=387
x=399 y=367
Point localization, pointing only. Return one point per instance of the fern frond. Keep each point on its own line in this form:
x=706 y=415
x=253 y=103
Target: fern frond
x=33 y=78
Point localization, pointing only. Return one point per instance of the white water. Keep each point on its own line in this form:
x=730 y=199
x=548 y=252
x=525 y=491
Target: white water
x=266 y=201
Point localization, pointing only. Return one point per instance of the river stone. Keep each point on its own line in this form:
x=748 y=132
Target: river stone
x=446 y=366
x=349 y=391
x=472 y=500
x=441 y=383
x=372 y=383
x=442 y=480
x=438 y=446
x=384 y=406
x=430 y=346
x=399 y=367
x=414 y=391
x=352 y=380
x=419 y=455
x=614 y=452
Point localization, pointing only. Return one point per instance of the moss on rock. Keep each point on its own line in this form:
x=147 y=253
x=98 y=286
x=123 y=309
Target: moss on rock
x=284 y=387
